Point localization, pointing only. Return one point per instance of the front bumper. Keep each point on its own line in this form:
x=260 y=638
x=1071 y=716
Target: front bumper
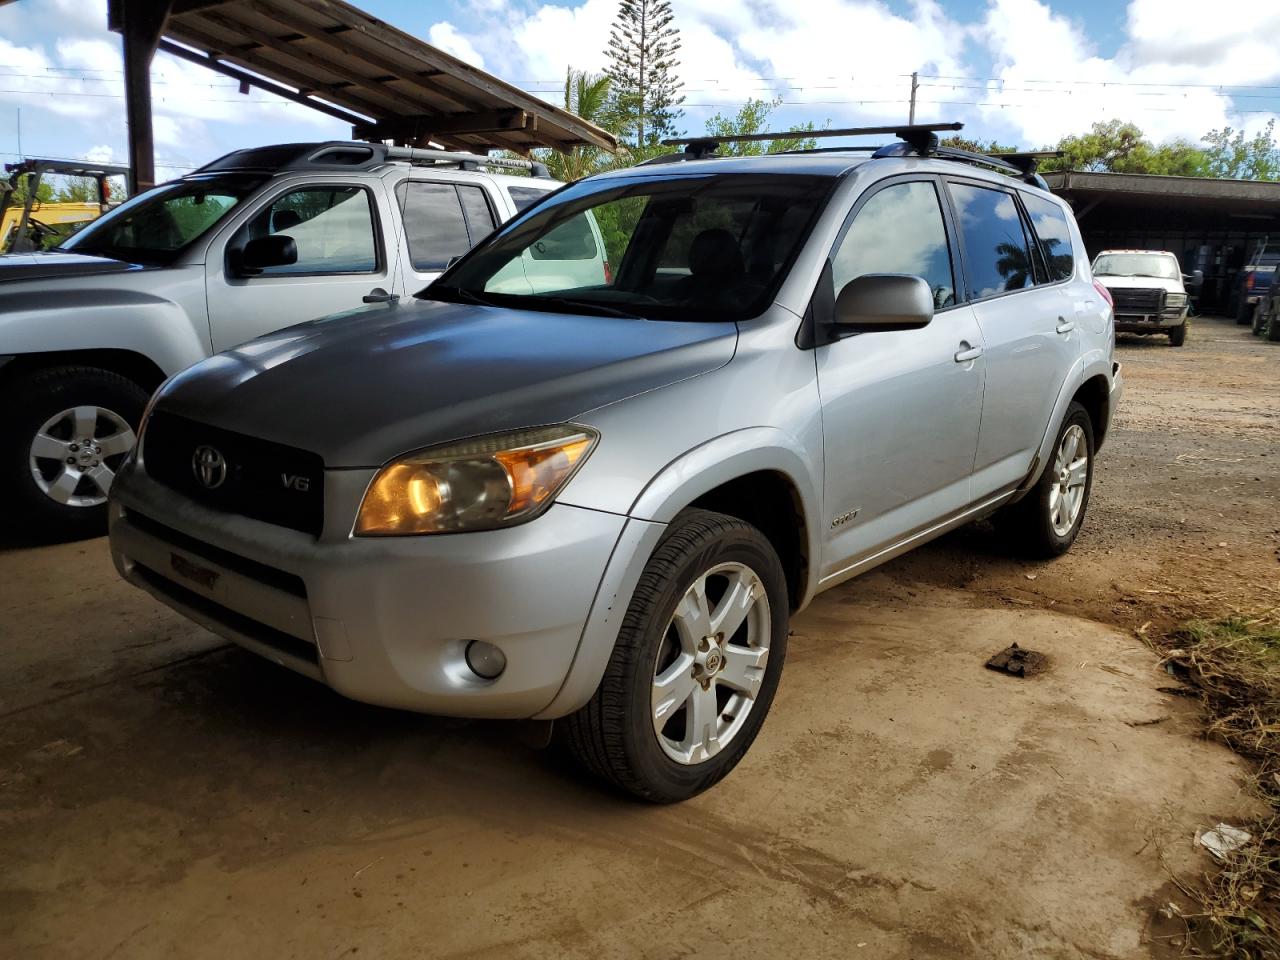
x=1150 y=322
x=383 y=620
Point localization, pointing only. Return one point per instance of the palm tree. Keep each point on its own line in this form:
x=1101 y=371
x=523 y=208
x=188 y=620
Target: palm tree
x=588 y=97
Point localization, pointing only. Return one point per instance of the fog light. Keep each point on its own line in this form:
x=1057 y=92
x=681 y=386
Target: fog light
x=485 y=660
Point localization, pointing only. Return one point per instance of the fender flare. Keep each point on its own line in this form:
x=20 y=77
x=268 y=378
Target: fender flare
x=679 y=483
x=1083 y=370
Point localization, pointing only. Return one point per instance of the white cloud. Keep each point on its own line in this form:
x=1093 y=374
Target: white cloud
x=446 y=36
x=1052 y=81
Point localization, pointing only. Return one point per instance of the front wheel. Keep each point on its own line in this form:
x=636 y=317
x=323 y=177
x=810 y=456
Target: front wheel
x=695 y=666
x=65 y=432
x=1178 y=334
x=1047 y=520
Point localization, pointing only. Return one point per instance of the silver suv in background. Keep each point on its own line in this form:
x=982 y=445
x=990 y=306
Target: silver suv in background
x=601 y=504
x=252 y=242
x=1147 y=289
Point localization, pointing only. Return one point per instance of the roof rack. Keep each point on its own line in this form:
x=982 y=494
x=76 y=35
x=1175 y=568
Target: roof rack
x=923 y=136
x=351 y=155
x=919 y=139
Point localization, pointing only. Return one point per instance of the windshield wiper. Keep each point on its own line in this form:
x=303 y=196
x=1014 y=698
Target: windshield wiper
x=455 y=295
x=592 y=305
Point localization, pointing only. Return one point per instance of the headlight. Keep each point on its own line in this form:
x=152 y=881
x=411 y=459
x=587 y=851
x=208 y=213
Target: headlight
x=479 y=484
x=1175 y=300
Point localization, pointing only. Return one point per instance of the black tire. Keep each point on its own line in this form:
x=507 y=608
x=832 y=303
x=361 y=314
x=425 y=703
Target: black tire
x=30 y=400
x=1244 y=311
x=613 y=736
x=1178 y=334
x=1259 y=319
x=1273 y=327
x=1027 y=523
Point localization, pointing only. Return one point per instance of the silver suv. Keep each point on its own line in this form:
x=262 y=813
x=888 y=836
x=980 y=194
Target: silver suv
x=255 y=241
x=602 y=504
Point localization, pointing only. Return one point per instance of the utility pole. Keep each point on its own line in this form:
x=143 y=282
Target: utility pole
x=915 y=85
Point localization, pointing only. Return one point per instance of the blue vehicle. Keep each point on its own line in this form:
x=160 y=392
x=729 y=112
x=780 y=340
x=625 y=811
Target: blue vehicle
x=1255 y=279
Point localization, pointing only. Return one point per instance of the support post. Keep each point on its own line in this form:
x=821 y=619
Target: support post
x=140 y=24
x=915 y=85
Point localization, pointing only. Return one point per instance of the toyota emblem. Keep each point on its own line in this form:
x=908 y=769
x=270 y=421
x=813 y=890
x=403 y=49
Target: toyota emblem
x=209 y=466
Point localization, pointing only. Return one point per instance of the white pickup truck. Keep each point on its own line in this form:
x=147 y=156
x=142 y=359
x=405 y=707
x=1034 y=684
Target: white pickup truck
x=258 y=240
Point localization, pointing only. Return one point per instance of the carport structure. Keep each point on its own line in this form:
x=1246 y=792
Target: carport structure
x=1212 y=225
x=335 y=58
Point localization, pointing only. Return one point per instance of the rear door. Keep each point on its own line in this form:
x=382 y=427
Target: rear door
x=338 y=228
x=442 y=220
x=1028 y=328
x=900 y=409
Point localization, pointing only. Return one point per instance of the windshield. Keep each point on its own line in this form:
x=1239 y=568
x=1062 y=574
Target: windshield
x=681 y=247
x=1159 y=265
x=155 y=227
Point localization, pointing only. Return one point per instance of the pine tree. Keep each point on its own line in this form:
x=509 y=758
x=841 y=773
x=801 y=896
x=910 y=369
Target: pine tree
x=642 y=62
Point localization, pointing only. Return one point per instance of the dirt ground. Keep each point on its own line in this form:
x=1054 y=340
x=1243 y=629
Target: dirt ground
x=165 y=795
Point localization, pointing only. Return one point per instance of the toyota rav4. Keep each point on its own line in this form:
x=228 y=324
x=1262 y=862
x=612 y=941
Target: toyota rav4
x=602 y=504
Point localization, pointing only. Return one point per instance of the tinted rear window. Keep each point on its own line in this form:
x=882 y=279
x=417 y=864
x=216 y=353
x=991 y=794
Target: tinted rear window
x=1053 y=235
x=996 y=256
x=525 y=197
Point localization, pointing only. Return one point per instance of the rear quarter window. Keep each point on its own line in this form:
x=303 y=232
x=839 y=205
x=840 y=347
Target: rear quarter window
x=1052 y=235
x=525 y=197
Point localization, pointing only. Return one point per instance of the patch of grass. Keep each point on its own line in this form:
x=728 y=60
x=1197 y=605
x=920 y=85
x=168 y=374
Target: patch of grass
x=1234 y=664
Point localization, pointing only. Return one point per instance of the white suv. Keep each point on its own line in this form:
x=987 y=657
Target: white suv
x=252 y=242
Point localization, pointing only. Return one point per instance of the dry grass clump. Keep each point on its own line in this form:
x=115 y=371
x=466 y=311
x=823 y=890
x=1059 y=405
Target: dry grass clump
x=1234 y=664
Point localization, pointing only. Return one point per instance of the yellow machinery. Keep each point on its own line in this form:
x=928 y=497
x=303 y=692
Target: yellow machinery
x=27 y=223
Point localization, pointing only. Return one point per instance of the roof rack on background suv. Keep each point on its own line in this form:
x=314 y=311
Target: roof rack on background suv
x=352 y=155
x=919 y=139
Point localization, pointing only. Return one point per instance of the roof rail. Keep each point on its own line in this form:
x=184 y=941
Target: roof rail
x=699 y=148
x=467 y=161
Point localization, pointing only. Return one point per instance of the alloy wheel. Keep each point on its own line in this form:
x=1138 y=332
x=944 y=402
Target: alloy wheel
x=76 y=452
x=1071 y=471
x=711 y=663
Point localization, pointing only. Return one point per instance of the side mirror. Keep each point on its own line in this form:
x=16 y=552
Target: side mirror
x=274 y=251
x=884 y=301
x=452 y=261
x=1196 y=277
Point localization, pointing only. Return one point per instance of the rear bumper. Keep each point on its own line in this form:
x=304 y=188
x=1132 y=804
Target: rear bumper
x=386 y=620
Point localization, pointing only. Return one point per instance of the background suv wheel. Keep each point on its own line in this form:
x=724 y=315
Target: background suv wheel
x=695 y=666
x=65 y=432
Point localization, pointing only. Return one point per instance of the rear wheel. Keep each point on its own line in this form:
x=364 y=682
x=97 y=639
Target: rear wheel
x=1178 y=334
x=695 y=666
x=1244 y=311
x=1047 y=520
x=65 y=432
x=1259 y=319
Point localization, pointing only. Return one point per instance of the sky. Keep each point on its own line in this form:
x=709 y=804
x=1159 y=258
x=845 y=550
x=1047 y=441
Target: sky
x=1024 y=72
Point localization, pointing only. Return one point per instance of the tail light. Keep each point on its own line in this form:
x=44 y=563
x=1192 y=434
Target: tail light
x=1104 y=293
x=608 y=273
x=1248 y=281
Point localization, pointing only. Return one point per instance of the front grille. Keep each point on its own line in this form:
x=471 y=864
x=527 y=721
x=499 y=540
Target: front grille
x=246 y=626
x=258 y=478
x=1137 y=300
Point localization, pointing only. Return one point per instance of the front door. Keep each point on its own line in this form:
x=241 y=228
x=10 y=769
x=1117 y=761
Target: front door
x=901 y=409
x=342 y=258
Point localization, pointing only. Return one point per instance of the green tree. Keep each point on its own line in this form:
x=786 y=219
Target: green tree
x=587 y=96
x=643 y=44
x=752 y=117
x=957 y=142
x=1232 y=155
x=1120 y=147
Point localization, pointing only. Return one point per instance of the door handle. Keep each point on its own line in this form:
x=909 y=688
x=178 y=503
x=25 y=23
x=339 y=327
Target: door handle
x=1065 y=325
x=967 y=353
x=378 y=295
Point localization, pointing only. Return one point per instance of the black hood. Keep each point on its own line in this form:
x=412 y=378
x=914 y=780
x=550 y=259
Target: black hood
x=42 y=266
x=364 y=387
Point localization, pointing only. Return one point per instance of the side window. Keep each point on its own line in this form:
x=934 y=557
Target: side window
x=439 y=219
x=899 y=230
x=475 y=206
x=1053 y=236
x=572 y=240
x=524 y=197
x=332 y=227
x=996 y=256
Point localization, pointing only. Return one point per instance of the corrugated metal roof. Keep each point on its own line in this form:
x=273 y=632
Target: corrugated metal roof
x=394 y=86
